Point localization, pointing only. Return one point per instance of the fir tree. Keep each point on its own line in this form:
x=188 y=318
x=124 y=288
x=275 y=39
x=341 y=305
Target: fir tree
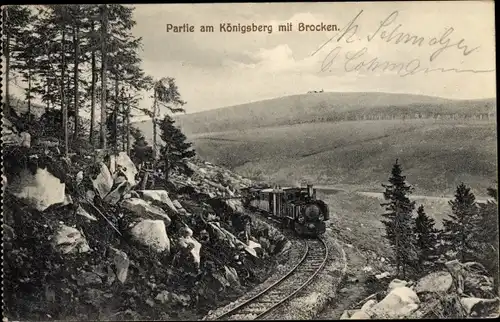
x=176 y=150
x=488 y=239
x=141 y=151
x=425 y=238
x=461 y=230
x=399 y=222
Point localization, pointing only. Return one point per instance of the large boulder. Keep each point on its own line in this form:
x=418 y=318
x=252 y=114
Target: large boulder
x=401 y=302
x=158 y=195
x=471 y=278
x=434 y=283
x=104 y=181
x=395 y=283
x=121 y=187
x=481 y=307
x=121 y=262
x=153 y=234
x=69 y=240
x=144 y=210
x=187 y=241
x=233 y=241
x=122 y=162
x=39 y=190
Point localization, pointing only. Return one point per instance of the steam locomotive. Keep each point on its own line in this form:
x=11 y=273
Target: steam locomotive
x=295 y=208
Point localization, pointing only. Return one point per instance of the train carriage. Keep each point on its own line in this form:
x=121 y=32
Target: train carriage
x=296 y=208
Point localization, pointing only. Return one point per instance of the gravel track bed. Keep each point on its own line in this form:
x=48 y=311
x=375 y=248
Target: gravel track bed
x=286 y=261
x=311 y=300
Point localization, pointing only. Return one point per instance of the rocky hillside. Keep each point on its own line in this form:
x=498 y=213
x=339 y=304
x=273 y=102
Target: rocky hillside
x=460 y=290
x=81 y=241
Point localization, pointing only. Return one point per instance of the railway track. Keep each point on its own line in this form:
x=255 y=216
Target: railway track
x=303 y=273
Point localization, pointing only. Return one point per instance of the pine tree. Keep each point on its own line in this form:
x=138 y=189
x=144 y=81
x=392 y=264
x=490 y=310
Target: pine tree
x=141 y=151
x=399 y=222
x=176 y=150
x=488 y=239
x=461 y=230
x=425 y=238
x=15 y=19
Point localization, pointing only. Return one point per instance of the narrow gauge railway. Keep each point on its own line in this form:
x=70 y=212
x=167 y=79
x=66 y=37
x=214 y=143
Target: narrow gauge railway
x=312 y=262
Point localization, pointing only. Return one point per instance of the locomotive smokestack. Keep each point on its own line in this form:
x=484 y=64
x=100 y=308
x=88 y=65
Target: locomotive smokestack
x=310 y=191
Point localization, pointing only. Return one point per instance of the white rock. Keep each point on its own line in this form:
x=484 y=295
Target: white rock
x=69 y=240
x=67 y=200
x=159 y=195
x=82 y=212
x=143 y=209
x=152 y=233
x=25 y=139
x=189 y=241
x=104 y=181
x=79 y=177
x=369 y=304
x=395 y=283
x=123 y=161
x=399 y=303
x=253 y=244
x=382 y=275
x=121 y=261
x=232 y=275
x=435 y=282
x=360 y=315
x=118 y=193
x=479 y=307
x=177 y=204
x=40 y=190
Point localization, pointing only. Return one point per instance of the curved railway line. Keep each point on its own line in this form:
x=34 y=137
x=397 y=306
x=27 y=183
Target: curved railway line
x=301 y=275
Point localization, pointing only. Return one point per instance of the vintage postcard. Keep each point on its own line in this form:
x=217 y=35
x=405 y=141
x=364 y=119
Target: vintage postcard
x=245 y=161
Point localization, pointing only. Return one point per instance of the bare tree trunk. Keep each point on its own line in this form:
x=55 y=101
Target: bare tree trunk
x=122 y=103
x=115 y=117
x=64 y=106
x=154 y=125
x=128 y=125
x=29 y=94
x=104 y=30
x=76 y=40
x=6 y=53
x=92 y=96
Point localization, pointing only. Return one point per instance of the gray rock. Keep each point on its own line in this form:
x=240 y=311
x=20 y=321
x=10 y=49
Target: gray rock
x=145 y=210
x=434 y=282
x=88 y=278
x=152 y=233
x=40 y=190
x=68 y=240
x=121 y=261
x=104 y=181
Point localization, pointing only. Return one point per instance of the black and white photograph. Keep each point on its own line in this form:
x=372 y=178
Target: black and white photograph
x=249 y=161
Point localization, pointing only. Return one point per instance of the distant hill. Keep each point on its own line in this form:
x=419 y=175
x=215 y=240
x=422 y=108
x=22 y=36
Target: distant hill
x=326 y=107
x=352 y=139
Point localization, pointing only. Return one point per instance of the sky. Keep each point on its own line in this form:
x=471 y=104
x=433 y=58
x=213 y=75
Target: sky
x=219 y=69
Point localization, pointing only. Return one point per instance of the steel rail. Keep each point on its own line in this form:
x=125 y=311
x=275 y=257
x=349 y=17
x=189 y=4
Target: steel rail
x=289 y=275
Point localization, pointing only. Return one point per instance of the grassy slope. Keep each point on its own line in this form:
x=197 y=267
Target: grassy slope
x=436 y=155
x=320 y=106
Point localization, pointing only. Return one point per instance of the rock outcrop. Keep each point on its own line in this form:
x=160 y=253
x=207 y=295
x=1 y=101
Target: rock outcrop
x=464 y=290
x=39 y=190
x=152 y=234
x=96 y=230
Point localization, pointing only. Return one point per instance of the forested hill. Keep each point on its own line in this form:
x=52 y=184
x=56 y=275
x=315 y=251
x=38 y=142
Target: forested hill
x=329 y=107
